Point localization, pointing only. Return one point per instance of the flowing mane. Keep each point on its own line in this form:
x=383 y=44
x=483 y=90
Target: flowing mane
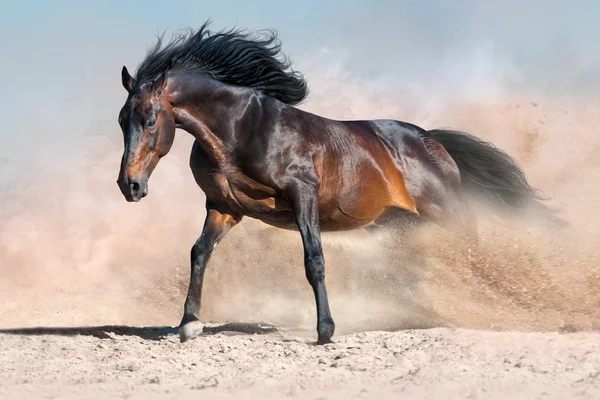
x=234 y=57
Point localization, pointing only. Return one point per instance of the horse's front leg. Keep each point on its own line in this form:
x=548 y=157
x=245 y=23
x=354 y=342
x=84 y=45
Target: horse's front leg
x=304 y=199
x=218 y=222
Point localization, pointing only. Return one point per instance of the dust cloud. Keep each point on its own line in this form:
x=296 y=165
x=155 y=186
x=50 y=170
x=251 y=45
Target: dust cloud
x=73 y=252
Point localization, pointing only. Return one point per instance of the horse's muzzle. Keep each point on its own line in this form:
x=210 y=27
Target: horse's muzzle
x=133 y=190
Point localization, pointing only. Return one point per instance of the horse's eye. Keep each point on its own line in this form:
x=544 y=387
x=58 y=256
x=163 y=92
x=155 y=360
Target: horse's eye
x=151 y=123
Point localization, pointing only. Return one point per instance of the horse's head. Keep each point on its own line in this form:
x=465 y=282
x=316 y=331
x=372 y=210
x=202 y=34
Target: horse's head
x=148 y=130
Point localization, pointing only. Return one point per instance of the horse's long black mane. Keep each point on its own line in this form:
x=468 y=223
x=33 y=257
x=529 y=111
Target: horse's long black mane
x=234 y=57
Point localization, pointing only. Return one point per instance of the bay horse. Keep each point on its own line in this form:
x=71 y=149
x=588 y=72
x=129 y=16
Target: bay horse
x=257 y=155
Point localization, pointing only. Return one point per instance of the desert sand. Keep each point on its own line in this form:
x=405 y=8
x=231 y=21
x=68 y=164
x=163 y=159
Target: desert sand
x=255 y=362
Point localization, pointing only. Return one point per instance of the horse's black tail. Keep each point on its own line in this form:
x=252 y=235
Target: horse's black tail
x=491 y=175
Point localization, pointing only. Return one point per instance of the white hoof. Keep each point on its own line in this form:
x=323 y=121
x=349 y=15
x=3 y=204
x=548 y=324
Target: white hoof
x=190 y=331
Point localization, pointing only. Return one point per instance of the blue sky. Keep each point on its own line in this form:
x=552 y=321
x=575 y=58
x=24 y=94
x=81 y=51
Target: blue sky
x=61 y=60
x=402 y=38
x=375 y=37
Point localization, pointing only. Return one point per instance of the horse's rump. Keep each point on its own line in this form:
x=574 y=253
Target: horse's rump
x=381 y=164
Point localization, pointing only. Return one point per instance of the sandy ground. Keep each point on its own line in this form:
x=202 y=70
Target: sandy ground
x=257 y=362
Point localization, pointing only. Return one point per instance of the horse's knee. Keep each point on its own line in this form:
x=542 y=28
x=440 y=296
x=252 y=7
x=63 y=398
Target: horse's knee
x=201 y=249
x=315 y=268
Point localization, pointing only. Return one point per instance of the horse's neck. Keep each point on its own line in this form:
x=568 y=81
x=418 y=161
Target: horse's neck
x=206 y=109
x=212 y=143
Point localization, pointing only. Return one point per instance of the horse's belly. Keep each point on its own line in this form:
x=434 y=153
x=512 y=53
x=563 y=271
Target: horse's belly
x=329 y=220
x=352 y=209
x=278 y=213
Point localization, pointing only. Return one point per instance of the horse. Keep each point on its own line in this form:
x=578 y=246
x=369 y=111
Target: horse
x=257 y=154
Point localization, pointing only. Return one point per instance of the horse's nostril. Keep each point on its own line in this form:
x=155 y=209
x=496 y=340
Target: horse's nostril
x=135 y=186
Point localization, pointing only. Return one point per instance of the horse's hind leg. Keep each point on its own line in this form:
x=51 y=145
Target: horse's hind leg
x=450 y=211
x=440 y=199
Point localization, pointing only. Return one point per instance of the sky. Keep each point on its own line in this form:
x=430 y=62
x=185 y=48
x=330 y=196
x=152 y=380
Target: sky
x=61 y=60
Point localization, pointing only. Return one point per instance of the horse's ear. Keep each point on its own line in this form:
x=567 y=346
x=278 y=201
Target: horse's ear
x=127 y=80
x=159 y=83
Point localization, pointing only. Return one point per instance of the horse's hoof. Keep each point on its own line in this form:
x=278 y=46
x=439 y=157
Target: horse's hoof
x=325 y=331
x=322 y=341
x=190 y=330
